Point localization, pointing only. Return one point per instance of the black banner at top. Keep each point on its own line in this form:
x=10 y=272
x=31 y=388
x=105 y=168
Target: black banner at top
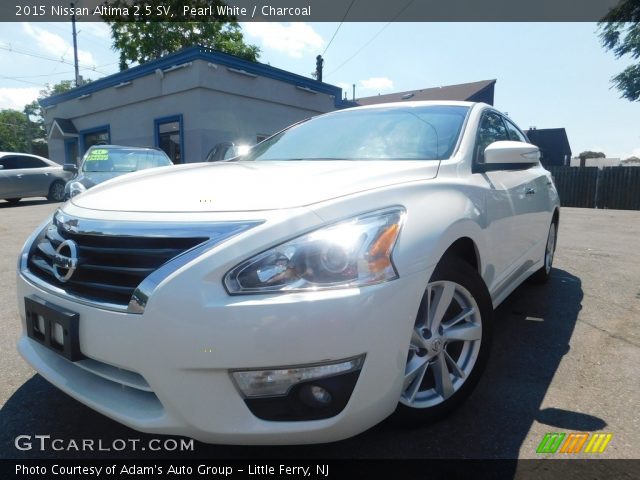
x=318 y=10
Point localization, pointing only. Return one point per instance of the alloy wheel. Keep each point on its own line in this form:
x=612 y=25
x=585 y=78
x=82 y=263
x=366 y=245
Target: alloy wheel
x=550 y=249
x=57 y=192
x=444 y=346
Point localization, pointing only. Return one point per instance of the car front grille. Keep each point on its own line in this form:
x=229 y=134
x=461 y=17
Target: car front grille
x=116 y=265
x=110 y=267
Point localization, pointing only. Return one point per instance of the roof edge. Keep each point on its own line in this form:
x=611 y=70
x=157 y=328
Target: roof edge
x=195 y=53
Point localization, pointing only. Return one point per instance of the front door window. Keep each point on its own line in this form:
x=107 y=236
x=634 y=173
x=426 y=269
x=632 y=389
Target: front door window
x=169 y=139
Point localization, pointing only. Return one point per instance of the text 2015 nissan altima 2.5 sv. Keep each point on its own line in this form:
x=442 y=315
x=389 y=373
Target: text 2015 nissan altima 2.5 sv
x=344 y=269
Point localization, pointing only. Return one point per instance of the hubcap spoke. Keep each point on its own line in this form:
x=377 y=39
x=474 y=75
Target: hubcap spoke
x=466 y=313
x=439 y=306
x=414 y=374
x=444 y=386
x=455 y=369
x=417 y=340
x=464 y=332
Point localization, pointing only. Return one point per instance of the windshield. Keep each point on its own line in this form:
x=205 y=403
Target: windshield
x=393 y=133
x=123 y=160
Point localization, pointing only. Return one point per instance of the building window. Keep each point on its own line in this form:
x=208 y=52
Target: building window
x=95 y=136
x=169 y=137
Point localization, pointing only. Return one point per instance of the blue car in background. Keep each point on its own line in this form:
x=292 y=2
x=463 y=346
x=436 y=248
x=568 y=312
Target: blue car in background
x=104 y=162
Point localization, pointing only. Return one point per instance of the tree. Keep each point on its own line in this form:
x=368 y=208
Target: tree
x=140 y=40
x=631 y=160
x=57 y=88
x=13 y=131
x=620 y=33
x=590 y=154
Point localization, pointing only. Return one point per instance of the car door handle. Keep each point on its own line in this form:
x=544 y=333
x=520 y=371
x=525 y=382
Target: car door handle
x=530 y=191
x=19 y=175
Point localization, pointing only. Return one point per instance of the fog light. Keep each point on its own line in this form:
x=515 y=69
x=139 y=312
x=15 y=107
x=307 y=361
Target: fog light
x=315 y=396
x=320 y=394
x=278 y=381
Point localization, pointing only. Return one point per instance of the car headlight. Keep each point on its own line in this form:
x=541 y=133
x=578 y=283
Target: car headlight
x=76 y=188
x=352 y=253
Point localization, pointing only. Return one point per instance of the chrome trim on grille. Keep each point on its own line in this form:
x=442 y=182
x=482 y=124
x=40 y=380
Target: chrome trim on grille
x=216 y=232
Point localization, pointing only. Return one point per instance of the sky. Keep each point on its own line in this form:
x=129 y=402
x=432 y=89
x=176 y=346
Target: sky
x=548 y=75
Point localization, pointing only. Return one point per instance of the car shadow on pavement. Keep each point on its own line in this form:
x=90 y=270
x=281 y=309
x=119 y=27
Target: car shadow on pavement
x=24 y=203
x=533 y=328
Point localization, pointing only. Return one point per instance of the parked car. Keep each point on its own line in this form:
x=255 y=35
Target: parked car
x=345 y=269
x=104 y=162
x=226 y=151
x=24 y=175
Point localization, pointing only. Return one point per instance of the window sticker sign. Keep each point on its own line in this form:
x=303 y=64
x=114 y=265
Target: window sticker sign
x=98 y=154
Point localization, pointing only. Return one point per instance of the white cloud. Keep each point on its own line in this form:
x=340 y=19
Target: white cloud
x=377 y=84
x=293 y=39
x=99 y=30
x=56 y=46
x=17 y=98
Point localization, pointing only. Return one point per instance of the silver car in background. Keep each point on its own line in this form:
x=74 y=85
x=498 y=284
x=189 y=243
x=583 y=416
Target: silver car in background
x=24 y=175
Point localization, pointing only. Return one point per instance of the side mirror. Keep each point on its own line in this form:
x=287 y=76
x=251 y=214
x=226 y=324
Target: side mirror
x=70 y=167
x=1 y=167
x=508 y=153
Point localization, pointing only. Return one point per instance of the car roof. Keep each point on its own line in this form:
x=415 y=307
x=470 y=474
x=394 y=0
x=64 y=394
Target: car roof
x=21 y=153
x=128 y=147
x=4 y=154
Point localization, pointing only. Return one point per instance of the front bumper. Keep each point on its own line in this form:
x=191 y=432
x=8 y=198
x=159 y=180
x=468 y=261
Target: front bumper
x=180 y=350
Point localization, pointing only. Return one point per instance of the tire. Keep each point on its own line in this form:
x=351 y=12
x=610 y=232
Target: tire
x=56 y=191
x=13 y=201
x=542 y=275
x=444 y=365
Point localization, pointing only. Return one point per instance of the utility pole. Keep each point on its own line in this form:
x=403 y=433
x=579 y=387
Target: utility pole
x=319 y=64
x=75 y=44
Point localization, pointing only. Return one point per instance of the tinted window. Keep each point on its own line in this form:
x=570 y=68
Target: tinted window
x=9 y=163
x=491 y=130
x=18 y=161
x=231 y=152
x=30 y=162
x=514 y=133
x=393 y=133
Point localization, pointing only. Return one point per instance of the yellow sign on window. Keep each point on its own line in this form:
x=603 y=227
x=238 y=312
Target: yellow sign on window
x=98 y=154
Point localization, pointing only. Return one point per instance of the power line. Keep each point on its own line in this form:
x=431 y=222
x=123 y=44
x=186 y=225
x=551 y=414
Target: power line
x=341 y=22
x=18 y=77
x=10 y=48
x=23 y=81
x=372 y=38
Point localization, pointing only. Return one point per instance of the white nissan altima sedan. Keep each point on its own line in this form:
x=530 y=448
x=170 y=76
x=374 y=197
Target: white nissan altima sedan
x=344 y=269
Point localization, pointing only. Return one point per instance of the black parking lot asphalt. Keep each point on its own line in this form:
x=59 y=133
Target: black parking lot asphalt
x=565 y=359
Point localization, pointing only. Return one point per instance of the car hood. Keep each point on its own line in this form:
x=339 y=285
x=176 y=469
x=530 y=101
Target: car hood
x=248 y=186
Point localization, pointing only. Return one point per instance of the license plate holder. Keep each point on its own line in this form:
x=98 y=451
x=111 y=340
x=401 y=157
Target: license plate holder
x=45 y=319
